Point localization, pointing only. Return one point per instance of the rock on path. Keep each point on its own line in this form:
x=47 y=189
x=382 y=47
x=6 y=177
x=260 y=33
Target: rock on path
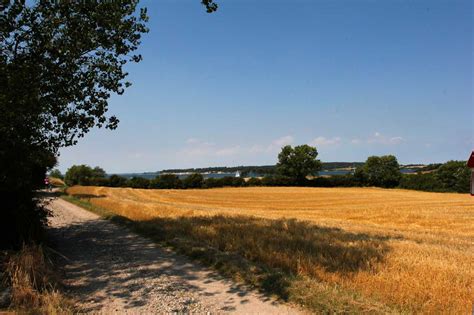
x=110 y=269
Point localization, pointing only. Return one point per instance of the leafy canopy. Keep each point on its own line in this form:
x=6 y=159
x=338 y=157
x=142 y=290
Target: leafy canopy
x=60 y=61
x=298 y=162
x=381 y=171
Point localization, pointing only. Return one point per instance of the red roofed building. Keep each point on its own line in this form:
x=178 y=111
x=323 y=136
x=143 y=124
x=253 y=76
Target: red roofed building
x=470 y=163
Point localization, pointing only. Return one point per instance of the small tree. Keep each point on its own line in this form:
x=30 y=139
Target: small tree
x=298 y=162
x=382 y=171
x=84 y=175
x=56 y=174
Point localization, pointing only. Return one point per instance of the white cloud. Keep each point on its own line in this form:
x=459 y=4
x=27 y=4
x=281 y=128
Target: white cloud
x=286 y=140
x=196 y=148
x=379 y=138
x=325 y=141
x=257 y=148
x=228 y=151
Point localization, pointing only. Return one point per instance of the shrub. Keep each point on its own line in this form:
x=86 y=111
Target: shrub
x=194 y=180
x=138 y=182
x=99 y=181
x=117 y=181
x=278 y=180
x=321 y=182
x=167 y=181
x=211 y=183
x=238 y=182
x=254 y=181
x=426 y=182
x=454 y=176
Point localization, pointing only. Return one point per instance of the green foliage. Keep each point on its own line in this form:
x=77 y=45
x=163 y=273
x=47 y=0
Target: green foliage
x=194 y=180
x=166 y=181
x=56 y=174
x=254 y=181
x=117 y=181
x=138 y=182
x=59 y=63
x=420 y=181
x=227 y=181
x=72 y=56
x=85 y=175
x=279 y=180
x=298 y=162
x=454 y=176
x=381 y=171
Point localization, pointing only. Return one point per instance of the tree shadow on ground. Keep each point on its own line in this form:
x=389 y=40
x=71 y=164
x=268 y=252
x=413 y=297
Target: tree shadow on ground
x=267 y=254
x=101 y=261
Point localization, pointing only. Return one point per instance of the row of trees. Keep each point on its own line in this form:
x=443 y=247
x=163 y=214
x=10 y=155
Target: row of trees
x=294 y=168
x=452 y=176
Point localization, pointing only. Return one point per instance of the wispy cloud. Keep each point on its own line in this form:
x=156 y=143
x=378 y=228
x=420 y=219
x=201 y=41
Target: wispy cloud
x=286 y=140
x=236 y=149
x=378 y=138
x=382 y=139
x=273 y=146
x=323 y=141
x=194 y=147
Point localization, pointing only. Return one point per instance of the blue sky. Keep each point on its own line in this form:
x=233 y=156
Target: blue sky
x=354 y=78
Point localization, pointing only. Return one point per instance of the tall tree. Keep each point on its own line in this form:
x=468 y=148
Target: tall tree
x=382 y=171
x=298 y=162
x=60 y=61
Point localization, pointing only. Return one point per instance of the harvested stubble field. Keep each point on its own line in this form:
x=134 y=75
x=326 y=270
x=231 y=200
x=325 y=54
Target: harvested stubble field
x=339 y=249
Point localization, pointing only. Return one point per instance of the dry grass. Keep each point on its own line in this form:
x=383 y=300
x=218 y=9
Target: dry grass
x=34 y=284
x=372 y=249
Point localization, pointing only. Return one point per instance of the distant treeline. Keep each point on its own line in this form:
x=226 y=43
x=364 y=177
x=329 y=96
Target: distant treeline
x=260 y=170
x=272 y=169
x=452 y=176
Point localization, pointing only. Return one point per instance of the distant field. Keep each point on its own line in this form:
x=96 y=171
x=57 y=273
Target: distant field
x=343 y=249
x=57 y=182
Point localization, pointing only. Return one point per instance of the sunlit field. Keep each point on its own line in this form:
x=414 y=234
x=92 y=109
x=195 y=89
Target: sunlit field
x=342 y=249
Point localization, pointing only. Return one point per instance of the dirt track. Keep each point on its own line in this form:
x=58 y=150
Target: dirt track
x=110 y=269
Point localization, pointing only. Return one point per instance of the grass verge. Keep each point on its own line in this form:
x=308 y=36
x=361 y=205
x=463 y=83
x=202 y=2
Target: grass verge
x=261 y=252
x=32 y=282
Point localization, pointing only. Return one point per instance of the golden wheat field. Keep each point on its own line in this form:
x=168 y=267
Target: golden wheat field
x=381 y=250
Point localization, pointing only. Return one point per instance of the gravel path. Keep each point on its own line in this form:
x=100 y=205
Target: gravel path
x=110 y=269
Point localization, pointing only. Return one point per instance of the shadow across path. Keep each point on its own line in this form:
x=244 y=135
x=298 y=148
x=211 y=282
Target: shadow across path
x=108 y=268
